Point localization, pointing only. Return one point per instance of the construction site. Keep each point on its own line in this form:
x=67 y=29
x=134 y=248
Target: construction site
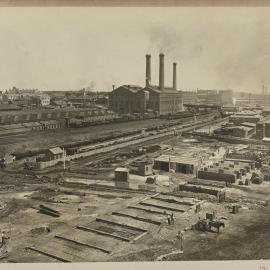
x=157 y=196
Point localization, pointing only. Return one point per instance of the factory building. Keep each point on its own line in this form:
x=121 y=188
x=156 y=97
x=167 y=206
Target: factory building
x=208 y=97
x=129 y=99
x=189 y=97
x=226 y=97
x=162 y=99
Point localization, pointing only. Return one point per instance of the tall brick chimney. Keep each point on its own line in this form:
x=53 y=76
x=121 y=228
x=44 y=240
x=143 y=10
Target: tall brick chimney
x=174 y=76
x=161 y=71
x=148 y=70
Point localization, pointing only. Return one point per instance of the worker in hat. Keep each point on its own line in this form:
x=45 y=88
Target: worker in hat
x=179 y=238
x=169 y=219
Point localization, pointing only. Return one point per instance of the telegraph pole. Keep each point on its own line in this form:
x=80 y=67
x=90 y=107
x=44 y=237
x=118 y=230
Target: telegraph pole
x=64 y=159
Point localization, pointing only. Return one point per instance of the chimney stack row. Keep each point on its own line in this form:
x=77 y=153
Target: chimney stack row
x=161 y=72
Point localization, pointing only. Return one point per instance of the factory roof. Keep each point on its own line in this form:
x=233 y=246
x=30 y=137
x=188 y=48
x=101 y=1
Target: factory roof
x=56 y=150
x=121 y=170
x=178 y=159
x=247 y=124
x=131 y=88
x=166 y=89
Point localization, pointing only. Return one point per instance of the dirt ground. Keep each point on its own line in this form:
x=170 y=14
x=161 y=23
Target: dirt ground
x=249 y=227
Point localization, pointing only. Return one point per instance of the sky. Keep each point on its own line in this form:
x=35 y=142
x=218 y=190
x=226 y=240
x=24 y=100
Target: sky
x=72 y=48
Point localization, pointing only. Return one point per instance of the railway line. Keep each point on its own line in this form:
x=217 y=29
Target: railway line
x=110 y=146
x=116 y=144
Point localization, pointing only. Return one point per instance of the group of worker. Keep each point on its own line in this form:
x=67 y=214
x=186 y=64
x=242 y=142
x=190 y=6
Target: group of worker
x=171 y=218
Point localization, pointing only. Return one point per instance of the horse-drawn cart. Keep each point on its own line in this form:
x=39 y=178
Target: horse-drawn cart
x=208 y=223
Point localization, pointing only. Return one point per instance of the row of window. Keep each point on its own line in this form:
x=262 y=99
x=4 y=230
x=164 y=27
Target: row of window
x=39 y=116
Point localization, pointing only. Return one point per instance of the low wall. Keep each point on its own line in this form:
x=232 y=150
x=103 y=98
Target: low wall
x=216 y=176
x=199 y=189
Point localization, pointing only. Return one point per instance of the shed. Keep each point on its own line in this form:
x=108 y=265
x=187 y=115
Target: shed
x=142 y=167
x=182 y=164
x=121 y=174
x=54 y=153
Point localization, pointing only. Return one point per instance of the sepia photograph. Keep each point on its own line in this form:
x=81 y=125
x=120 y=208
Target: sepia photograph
x=134 y=134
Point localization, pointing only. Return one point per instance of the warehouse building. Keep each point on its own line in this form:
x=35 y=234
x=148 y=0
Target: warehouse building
x=183 y=164
x=24 y=116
